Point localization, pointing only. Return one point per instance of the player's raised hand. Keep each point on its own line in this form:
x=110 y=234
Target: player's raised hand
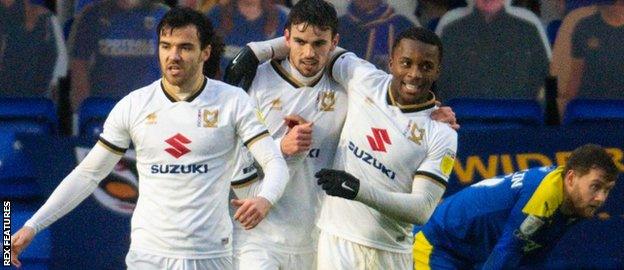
x=445 y=114
x=298 y=139
x=251 y=211
x=338 y=183
x=19 y=241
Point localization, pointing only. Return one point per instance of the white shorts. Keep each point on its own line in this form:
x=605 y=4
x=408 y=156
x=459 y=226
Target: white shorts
x=137 y=260
x=337 y=253
x=254 y=257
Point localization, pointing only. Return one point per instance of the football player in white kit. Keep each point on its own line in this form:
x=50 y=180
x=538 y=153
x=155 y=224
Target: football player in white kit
x=304 y=110
x=393 y=161
x=271 y=245
x=184 y=128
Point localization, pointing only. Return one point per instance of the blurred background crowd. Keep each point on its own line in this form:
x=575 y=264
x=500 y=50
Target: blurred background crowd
x=545 y=51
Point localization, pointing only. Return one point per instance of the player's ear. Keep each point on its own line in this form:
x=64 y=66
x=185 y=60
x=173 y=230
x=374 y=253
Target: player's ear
x=390 y=61
x=568 y=180
x=335 y=41
x=287 y=36
x=205 y=53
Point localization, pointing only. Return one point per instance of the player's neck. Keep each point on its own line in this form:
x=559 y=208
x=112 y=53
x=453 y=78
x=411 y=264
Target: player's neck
x=297 y=75
x=185 y=90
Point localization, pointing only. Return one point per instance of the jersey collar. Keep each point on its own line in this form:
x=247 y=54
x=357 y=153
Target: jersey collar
x=430 y=103
x=290 y=79
x=190 y=98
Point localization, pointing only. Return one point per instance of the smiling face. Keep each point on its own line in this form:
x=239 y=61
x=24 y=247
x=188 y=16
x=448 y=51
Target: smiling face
x=310 y=47
x=586 y=193
x=415 y=66
x=181 y=57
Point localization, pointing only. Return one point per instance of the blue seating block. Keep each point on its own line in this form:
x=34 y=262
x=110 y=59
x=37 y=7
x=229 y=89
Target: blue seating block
x=17 y=174
x=496 y=113
x=92 y=115
x=38 y=254
x=591 y=111
x=28 y=115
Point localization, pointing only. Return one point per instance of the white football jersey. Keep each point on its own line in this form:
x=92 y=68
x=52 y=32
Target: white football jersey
x=385 y=146
x=182 y=149
x=290 y=226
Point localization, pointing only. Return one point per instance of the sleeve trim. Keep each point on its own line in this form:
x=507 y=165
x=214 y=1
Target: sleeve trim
x=245 y=181
x=435 y=178
x=111 y=147
x=256 y=138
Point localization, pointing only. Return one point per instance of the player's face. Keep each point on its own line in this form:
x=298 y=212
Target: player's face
x=489 y=6
x=180 y=55
x=588 y=192
x=310 y=47
x=415 y=66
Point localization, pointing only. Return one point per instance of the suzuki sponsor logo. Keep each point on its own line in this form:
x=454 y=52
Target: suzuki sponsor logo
x=379 y=140
x=179 y=168
x=369 y=159
x=177 y=142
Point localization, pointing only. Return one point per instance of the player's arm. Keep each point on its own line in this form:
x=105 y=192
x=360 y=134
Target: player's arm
x=242 y=69
x=428 y=184
x=81 y=182
x=415 y=207
x=525 y=219
x=261 y=145
x=252 y=210
x=508 y=250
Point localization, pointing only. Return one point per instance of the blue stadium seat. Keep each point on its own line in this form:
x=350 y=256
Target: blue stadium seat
x=592 y=111
x=28 y=115
x=18 y=178
x=38 y=254
x=92 y=115
x=476 y=114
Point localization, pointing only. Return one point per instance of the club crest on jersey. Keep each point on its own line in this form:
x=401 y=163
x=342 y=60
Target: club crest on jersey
x=150 y=119
x=327 y=100
x=208 y=118
x=276 y=104
x=416 y=134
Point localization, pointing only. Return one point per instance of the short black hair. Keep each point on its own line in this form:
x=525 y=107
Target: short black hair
x=591 y=156
x=421 y=34
x=183 y=16
x=317 y=13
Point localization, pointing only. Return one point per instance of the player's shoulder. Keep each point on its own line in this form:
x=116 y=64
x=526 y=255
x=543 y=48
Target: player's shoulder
x=142 y=95
x=544 y=187
x=440 y=129
x=269 y=76
x=267 y=66
x=225 y=91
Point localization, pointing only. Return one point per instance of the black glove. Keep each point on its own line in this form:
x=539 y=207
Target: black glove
x=242 y=69
x=338 y=183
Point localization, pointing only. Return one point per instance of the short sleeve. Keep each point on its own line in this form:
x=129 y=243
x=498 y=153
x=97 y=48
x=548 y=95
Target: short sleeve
x=249 y=121
x=441 y=154
x=83 y=38
x=116 y=134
